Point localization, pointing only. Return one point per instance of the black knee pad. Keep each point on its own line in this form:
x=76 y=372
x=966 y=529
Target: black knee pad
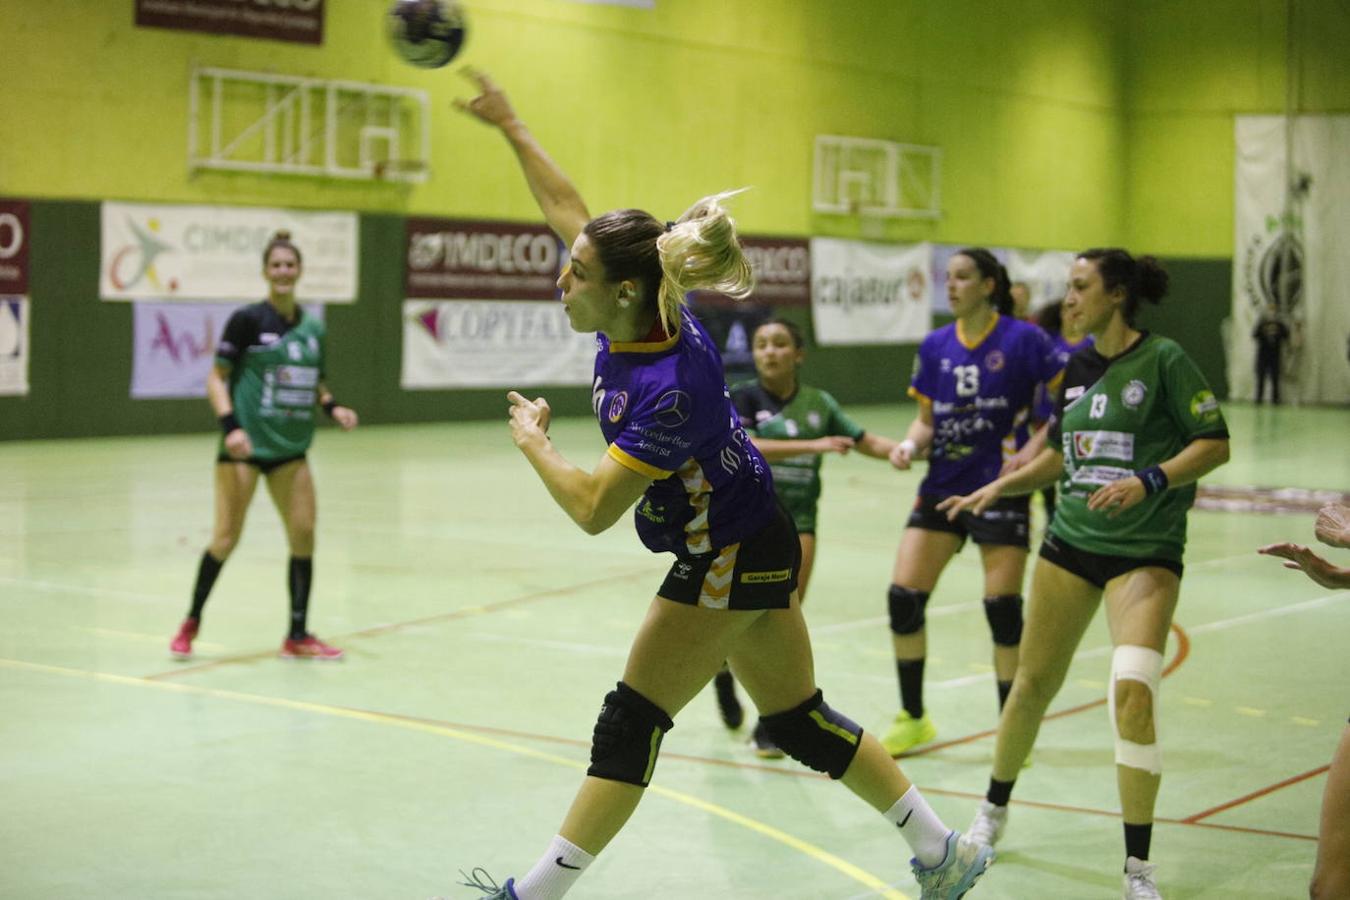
x=1004 y=613
x=815 y=736
x=906 y=609
x=627 y=737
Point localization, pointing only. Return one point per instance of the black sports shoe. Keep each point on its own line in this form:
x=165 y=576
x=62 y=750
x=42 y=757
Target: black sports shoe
x=727 y=702
x=764 y=746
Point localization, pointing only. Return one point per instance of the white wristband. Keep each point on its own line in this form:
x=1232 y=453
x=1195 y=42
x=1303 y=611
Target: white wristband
x=908 y=446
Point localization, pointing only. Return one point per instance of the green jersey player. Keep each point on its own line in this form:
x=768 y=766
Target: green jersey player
x=793 y=425
x=265 y=386
x=1135 y=427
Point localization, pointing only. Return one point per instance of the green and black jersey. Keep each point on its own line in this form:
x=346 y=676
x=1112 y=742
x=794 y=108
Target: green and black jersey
x=1116 y=417
x=806 y=415
x=275 y=367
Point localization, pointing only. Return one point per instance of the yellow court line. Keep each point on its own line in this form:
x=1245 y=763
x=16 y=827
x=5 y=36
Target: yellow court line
x=842 y=866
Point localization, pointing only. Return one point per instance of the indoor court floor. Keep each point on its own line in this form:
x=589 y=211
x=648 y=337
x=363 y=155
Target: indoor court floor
x=482 y=630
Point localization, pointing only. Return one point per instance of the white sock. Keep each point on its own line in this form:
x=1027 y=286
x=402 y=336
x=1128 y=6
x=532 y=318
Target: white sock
x=920 y=827
x=555 y=873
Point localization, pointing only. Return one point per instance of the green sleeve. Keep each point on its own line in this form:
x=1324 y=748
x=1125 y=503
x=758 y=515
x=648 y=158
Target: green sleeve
x=839 y=423
x=1191 y=403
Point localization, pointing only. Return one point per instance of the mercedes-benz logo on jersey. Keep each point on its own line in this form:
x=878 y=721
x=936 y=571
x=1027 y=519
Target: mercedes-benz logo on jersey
x=672 y=409
x=618 y=405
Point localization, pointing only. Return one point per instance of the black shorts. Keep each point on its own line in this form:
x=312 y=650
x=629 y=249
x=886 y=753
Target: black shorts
x=758 y=573
x=1004 y=523
x=266 y=466
x=1099 y=568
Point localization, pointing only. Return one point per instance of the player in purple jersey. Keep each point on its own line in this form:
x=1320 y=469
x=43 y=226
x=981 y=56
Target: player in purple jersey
x=703 y=492
x=975 y=381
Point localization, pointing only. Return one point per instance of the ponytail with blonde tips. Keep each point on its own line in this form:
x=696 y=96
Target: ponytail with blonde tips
x=699 y=251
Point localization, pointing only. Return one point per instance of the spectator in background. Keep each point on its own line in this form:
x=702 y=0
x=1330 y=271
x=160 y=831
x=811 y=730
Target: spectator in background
x=1270 y=335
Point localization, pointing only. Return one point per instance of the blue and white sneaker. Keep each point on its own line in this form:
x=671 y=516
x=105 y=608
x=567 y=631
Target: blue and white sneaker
x=953 y=878
x=479 y=878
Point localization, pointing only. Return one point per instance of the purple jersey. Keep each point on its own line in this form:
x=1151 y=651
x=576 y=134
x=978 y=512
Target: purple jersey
x=979 y=390
x=666 y=413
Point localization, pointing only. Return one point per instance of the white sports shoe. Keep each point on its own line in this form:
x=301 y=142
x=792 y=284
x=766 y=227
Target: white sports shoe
x=953 y=878
x=1139 y=884
x=987 y=827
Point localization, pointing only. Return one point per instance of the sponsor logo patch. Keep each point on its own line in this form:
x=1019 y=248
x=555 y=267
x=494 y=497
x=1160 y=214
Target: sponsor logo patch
x=994 y=361
x=1205 y=407
x=774 y=577
x=618 y=405
x=1103 y=445
x=1074 y=393
x=672 y=409
x=1133 y=393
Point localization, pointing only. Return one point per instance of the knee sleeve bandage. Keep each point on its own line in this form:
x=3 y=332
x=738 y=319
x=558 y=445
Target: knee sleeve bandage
x=906 y=609
x=627 y=737
x=815 y=736
x=1141 y=664
x=1004 y=613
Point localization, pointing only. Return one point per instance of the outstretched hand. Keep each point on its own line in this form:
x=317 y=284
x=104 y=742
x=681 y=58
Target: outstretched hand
x=1312 y=565
x=529 y=418
x=490 y=105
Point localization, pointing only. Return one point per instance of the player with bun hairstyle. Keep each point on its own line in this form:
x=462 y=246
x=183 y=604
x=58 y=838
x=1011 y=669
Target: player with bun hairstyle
x=975 y=381
x=264 y=388
x=703 y=493
x=1135 y=427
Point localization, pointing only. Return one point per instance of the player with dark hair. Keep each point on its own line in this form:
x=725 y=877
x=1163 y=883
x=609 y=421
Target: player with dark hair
x=975 y=381
x=264 y=388
x=1135 y=427
x=704 y=494
x=793 y=425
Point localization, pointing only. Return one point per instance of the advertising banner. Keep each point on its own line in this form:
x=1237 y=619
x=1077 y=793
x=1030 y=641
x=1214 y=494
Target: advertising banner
x=492 y=343
x=298 y=21
x=175 y=345
x=483 y=308
x=14 y=234
x=14 y=313
x=214 y=253
x=869 y=293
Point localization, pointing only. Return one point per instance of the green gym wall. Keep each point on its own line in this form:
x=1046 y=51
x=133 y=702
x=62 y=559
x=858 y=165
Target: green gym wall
x=1063 y=124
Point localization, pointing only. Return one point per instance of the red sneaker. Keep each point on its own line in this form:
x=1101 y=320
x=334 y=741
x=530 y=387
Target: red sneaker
x=308 y=647
x=181 y=645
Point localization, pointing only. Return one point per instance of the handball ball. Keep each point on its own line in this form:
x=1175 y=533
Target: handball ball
x=426 y=33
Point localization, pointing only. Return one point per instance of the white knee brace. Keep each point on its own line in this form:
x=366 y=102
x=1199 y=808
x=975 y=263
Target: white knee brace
x=1145 y=665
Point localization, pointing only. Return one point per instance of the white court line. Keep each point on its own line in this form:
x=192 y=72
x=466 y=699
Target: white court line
x=79 y=589
x=1265 y=614
x=566 y=646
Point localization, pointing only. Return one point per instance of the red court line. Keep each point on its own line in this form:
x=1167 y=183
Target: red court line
x=1183 y=651
x=396 y=626
x=1247 y=798
x=791 y=770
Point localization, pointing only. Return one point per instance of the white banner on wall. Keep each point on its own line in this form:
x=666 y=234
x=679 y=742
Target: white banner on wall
x=14 y=312
x=1045 y=273
x=869 y=293
x=492 y=343
x=175 y=345
x=1307 y=254
x=214 y=253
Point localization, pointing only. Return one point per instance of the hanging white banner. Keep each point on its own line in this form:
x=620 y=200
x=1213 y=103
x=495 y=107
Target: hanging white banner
x=1294 y=265
x=868 y=293
x=492 y=343
x=214 y=253
x=1045 y=273
x=175 y=345
x=14 y=312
